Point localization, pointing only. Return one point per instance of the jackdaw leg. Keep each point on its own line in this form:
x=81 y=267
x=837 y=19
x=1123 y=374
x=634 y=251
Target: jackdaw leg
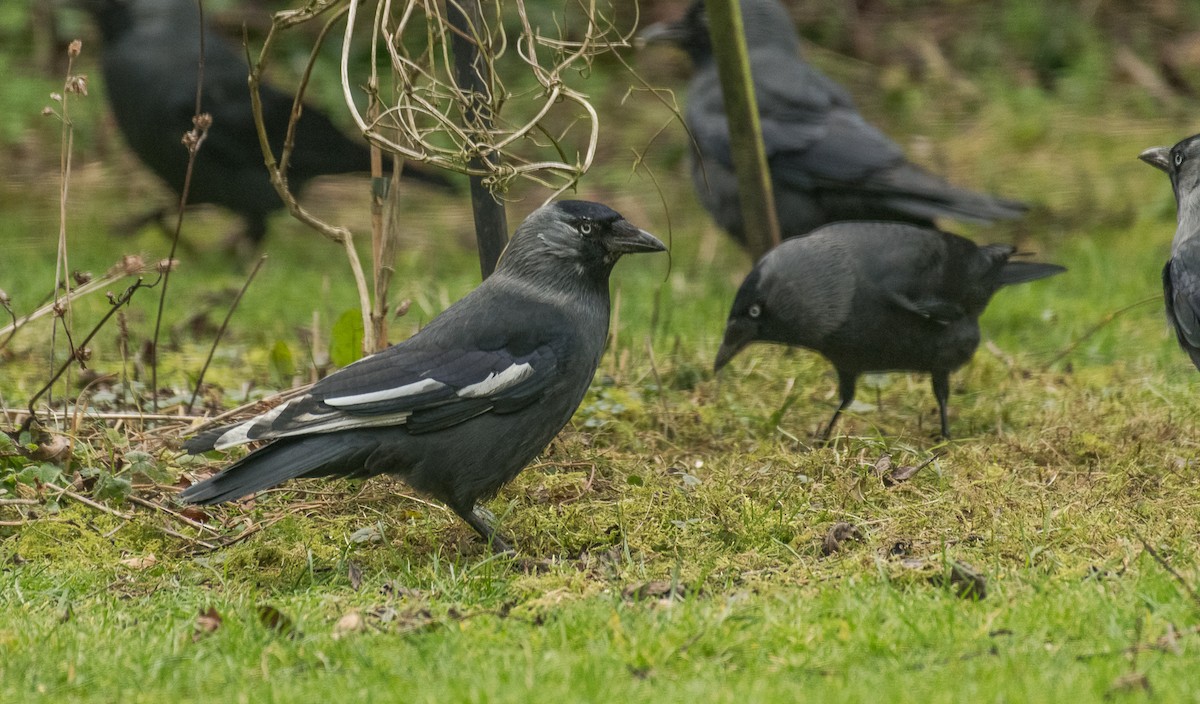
x=478 y=518
x=846 y=383
x=941 y=390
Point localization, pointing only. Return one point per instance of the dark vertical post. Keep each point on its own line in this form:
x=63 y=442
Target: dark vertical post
x=749 y=157
x=491 y=227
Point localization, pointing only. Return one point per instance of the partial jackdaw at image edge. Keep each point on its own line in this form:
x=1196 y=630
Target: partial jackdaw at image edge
x=1181 y=274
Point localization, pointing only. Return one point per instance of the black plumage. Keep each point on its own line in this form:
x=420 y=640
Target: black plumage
x=458 y=409
x=150 y=53
x=827 y=163
x=875 y=297
x=1181 y=275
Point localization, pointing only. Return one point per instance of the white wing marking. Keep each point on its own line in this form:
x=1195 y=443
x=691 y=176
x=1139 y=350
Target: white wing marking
x=240 y=433
x=498 y=382
x=344 y=422
x=413 y=389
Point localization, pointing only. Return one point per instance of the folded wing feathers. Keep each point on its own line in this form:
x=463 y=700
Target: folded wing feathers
x=413 y=389
x=308 y=414
x=498 y=381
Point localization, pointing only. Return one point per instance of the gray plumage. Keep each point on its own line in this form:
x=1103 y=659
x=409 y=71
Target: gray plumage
x=1181 y=275
x=875 y=297
x=827 y=163
x=458 y=409
x=149 y=62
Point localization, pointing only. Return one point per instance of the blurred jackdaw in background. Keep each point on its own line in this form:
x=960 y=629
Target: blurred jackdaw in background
x=827 y=163
x=1181 y=275
x=150 y=55
x=458 y=409
x=875 y=297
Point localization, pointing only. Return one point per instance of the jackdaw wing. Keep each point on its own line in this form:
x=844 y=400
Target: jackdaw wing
x=423 y=384
x=1181 y=290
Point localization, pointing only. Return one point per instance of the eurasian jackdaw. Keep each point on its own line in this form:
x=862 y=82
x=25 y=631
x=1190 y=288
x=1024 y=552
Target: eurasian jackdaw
x=1181 y=275
x=458 y=409
x=875 y=297
x=150 y=53
x=827 y=163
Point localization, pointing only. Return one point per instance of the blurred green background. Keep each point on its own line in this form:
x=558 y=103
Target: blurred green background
x=1048 y=102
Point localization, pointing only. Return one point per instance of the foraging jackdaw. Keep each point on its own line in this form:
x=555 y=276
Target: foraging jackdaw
x=827 y=163
x=458 y=409
x=149 y=61
x=875 y=297
x=1181 y=275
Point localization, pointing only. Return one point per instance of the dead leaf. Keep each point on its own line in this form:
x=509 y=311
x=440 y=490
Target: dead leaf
x=195 y=513
x=369 y=534
x=883 y=465
x=207 y=622
x=275 y=620
x=351 y=622
x=140 y=563
x=417 y=619
x=964 y=579
x=391 y=589
x=51 y=449
x=903 y=474
x=384 y=614
x=657 y=589
x=1129 y=682
x=354 y=572
x=838 y=535
x=531 y=565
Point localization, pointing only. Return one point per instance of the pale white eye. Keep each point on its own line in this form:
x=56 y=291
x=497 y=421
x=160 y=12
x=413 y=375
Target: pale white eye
x=755 y=311
x=1178 y=159
x=585 y=228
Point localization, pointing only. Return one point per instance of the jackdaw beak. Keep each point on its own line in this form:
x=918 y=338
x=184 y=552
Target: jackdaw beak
x=1158 y=157
x=627 y=239
x=738 y=334
x=660 y=33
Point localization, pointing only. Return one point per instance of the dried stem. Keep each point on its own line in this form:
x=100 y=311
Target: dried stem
x=277 y=170
x=1108 y=318
x=62 y=270
x=77 y=352
x=192 y=141
x=221 y=331
x=430 y=97
x=128 y=266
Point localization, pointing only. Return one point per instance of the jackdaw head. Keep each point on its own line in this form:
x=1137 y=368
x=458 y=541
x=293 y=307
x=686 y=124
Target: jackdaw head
x=1182 y=163
x=116 y=18
x=573 y=238
x=748 y=319
x=689 y=33
x=767 y=24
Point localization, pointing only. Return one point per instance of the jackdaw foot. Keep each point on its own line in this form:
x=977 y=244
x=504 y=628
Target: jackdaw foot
x=941 y=390
x=481 y=520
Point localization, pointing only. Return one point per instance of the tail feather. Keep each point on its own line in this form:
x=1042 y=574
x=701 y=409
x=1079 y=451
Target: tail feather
x=274 y=464
x=204 y=441
x=916 y=191
x=1021 y=272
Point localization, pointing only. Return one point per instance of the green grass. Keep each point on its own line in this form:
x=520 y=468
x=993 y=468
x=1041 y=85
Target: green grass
x=1073 y=444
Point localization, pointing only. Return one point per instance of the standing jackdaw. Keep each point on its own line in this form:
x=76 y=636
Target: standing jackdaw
x=149 y=60
x=827 y=163
x=458 y=409
x=875 y=297
x=1181 y=275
